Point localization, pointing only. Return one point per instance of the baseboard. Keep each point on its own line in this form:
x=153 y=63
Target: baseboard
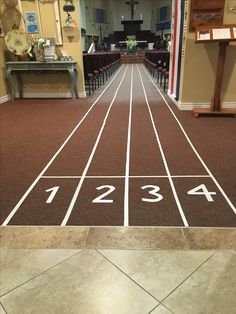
x=4 y=99
x=82 y=95
x=48 y=95
x=43 y=95
x=191 y=106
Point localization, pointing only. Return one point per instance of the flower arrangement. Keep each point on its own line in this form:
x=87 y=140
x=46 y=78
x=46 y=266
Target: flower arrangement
x=131 y=43
x=39 y=42
x=38 y=48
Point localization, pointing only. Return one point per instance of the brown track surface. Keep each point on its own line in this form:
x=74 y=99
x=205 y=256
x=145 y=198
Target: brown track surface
x=32 y=131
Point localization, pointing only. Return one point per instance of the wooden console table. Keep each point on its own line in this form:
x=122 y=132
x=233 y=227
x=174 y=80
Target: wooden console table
x=19 y=67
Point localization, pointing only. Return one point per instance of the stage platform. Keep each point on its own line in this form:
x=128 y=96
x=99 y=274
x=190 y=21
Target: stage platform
x=137 y=58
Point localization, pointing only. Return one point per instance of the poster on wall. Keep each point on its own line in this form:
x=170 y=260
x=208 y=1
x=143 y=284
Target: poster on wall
x=31 y=22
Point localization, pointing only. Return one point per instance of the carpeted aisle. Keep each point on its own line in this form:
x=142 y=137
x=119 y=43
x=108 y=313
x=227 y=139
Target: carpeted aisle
x=127 y=162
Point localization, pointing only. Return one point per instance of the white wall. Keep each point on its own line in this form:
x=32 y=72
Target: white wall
x=147 y=9
x=82 y=18
x=92 y=28
x=156 y=5
x=119 y=9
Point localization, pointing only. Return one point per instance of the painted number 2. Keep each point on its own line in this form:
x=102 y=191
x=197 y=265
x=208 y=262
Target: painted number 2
x=202 y=190
x=101 y=198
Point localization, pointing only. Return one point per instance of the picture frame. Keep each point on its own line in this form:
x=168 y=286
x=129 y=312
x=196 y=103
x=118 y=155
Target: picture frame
x=31 y=22
x=1 y=29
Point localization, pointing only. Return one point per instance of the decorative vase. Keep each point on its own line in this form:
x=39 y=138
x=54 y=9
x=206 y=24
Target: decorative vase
x=39 y=53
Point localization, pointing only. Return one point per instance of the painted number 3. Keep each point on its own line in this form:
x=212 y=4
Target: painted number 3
x=154 y=189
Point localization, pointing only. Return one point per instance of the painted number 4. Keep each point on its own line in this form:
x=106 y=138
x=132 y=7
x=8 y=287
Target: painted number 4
x=202 y=190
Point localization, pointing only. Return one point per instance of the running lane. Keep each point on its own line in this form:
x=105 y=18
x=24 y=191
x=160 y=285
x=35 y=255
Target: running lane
x=47 y=199
x=100 y=199
x=151 y=199
x=202 y=199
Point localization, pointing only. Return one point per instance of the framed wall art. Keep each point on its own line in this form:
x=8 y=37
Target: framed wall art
x=31 y=22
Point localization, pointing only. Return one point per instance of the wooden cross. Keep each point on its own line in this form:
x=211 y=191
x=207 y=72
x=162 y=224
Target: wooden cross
x=132 y=4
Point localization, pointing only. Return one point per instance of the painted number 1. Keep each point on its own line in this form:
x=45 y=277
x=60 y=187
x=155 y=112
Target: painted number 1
x=52 y=195
x=202 y=190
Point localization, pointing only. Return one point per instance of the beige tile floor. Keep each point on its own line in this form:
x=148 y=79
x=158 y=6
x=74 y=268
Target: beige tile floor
x=117 y=270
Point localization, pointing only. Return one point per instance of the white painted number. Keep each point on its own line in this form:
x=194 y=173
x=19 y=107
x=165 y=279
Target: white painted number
x=155 y=189
x=100 y=199
x=52 y=195
x=202 y=190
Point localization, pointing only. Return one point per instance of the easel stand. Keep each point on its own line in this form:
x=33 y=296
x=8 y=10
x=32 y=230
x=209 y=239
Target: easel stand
x=216 y=109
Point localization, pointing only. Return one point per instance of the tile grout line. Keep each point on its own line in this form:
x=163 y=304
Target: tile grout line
x=136 y=283
x=167 y=308
x=163 y=306
x=86 y=242
x=3 y=307
x=154 y=308
x=195 y=270
x=185 y=239
x=43 y=272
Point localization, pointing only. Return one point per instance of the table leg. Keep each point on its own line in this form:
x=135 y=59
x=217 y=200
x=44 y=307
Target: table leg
x=11 y=84
x=76 y=80
x=72 y=82
x=20 y=84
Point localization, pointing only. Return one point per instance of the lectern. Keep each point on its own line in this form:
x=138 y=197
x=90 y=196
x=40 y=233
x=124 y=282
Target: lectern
x=222 y=35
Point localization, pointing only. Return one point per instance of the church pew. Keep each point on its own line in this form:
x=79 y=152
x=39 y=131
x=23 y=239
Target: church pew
x=98 y=66
x=157 y=62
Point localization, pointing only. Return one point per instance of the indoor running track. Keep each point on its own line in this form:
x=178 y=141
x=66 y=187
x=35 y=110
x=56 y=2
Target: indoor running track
x=128 y=162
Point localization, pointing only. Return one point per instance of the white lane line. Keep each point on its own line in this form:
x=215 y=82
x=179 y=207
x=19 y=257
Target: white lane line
x=191 y=176
x=14 y=210
x=122 y=177
x=164 y=158
x=78 y=188
x=194 y=149
x=126 y=194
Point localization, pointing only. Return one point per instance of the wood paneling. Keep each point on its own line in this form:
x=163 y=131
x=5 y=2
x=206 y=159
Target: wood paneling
x=206 y=12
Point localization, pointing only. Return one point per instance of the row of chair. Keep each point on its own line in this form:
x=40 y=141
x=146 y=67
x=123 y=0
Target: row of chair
x=99 y=66
x=157 y=62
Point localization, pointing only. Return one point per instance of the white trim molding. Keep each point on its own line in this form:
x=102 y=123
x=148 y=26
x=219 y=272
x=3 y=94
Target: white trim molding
x=48 y=95
x=190 y=106
x=42 y=95
x=82 y=94
x=4 y=99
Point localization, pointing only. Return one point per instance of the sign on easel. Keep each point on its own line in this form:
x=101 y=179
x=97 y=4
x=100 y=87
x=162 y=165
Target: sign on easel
x=215 y=33
x=222 y=35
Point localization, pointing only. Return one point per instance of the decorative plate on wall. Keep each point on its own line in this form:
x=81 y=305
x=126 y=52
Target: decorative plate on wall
x=10 y=19
x=10 y=3
x=18 y=42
